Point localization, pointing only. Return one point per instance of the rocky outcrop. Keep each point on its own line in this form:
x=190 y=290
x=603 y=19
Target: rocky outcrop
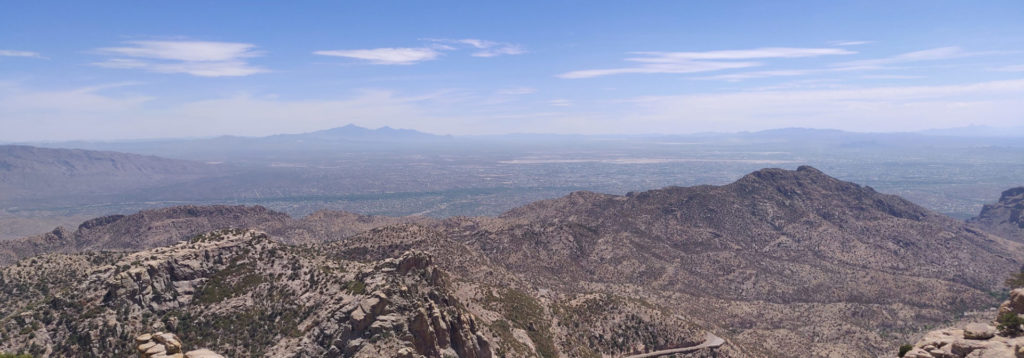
x=975 y=340
x=143 y=230
x=167 y=345
x=237 y=293
x=1005 y=217
x=431 y=321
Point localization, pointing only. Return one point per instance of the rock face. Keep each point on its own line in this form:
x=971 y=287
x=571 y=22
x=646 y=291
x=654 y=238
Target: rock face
x=1006 y=217
x=240 y=294
x=979 y=331
x=167 y=345
x=975 y=340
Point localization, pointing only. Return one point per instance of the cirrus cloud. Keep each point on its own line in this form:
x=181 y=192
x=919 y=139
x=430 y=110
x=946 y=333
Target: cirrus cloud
x=386 y=55
x=197 y=58
x=706 y=61
x=433 y=50
x=18 y=53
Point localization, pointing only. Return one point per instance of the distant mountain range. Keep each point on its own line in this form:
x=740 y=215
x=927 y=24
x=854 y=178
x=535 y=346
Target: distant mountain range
x=779 y=263
x=978 y=131
x=235 y=148
x=46 y=173
x=355 y=138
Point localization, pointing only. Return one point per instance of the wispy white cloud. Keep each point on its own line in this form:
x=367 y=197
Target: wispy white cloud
x=1011 y=68
x=560 y=102
x=891 y=77
x=197 y=58
x=387 y=55
x=760 y=74
x=758 y=53
x=935 y=54
x=849 y=43
x=433 y=50
x=890 y=108
x=517 y=91
x=114 y=112
x=875 y=64
x=686 y=67
x=17 y=53
x=485 y=48
x=707 y=61
x=89 y=99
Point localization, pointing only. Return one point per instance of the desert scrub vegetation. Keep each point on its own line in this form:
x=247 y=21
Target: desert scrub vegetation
x=1009 y=324
x=220 y=234
x=234 y=280
x=1016 y=280
x=904 y=349
x=523 y=312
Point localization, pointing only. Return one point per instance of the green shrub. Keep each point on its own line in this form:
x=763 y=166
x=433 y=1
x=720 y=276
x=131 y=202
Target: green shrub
x=1009 y=324
x=356 y=287
x=904 y=349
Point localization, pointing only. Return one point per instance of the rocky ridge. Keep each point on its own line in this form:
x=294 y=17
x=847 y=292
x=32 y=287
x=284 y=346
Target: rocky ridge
x=240 y=294
x=167 y=226
x=780 y=263
x=1005 y=217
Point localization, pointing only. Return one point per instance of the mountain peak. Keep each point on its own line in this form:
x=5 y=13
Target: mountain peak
x=804 y=174
x=354 y=132
x=1012 y=194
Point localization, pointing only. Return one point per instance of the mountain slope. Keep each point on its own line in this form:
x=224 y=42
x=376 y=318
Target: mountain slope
x=45 y=173
x=779 y=263
x=235 y=292
x=1005 y=217
x=784 y=262
x=167 y=226
x=142 y=230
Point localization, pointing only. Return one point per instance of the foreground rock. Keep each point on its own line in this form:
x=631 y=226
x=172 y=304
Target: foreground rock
x=167 y=345
x=975 y=340
x=238 y=293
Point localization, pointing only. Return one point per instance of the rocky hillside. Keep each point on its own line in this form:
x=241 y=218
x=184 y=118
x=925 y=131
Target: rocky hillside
x=237 y=293
x=142 y=230
x=44 y=173
x=1006 y=217
x=779 y=263
x=986 y=339
x=782 y=263
x=167 y=226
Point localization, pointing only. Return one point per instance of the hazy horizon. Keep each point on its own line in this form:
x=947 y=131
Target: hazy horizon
x=984 y=131
x=117 y=70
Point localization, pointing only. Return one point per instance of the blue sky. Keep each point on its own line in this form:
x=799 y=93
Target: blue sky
x=129 y=69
